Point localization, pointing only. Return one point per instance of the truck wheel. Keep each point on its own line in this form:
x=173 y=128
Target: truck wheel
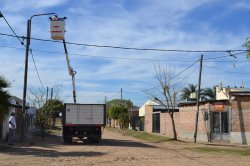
x=67 y=140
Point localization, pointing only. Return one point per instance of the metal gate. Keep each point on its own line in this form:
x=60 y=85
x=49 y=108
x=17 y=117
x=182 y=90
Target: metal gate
x=220 y=125
x=156 y=122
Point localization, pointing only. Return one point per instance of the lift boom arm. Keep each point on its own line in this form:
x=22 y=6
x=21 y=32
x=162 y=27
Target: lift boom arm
x=71 y=71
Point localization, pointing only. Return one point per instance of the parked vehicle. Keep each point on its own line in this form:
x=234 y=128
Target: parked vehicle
x=83 y=121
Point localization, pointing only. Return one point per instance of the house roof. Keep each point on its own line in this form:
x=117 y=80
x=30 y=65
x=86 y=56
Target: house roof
x=239 y=93
x=187 y=103
x=159 y=104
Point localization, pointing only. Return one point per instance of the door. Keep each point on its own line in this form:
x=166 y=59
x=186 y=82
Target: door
x=219 y=126
x=156 y=123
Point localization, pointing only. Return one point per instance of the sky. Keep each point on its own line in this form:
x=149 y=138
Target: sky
x=201 y=25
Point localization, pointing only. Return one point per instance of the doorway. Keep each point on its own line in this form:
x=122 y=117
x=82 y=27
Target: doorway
x=156 y=123
x=220 y=126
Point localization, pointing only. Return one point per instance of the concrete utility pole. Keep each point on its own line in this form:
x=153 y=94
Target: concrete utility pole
x=121 y=94
x=198 y=100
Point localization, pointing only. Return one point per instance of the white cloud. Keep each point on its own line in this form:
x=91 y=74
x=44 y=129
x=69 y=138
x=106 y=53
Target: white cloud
x=24 y=5
x=152 y=24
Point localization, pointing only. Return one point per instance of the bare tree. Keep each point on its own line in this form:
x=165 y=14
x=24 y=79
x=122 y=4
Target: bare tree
x=37 y=97
x=167 y=90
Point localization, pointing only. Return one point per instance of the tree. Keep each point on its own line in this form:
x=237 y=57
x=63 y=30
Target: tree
x=4 y=97
x=247 y=46
x=169 y=87
x=186 y=92
x=37 y=97
x=208 y=94
x=55 y=106
x=116 y=102
x=121 y=113
x=205 y=94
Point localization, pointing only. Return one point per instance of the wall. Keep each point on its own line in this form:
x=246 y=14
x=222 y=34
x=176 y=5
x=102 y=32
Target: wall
x=187 y=122
x=148 y=119
x=240 y=132
x=166 y=124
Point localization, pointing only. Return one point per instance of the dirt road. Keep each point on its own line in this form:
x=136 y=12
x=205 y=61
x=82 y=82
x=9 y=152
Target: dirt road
x=114 y=149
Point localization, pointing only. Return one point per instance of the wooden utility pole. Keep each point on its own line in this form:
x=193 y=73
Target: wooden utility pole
x=198 y=100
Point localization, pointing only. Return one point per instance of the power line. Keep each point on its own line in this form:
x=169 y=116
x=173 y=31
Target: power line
x=18 y=37
x=134 y=48
x=15 y=35
x=135 y=59
x=225 y=70
x=143 y=91
x=230 y=54
x=36 y=68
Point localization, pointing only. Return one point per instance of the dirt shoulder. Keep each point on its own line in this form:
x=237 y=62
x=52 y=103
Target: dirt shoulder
x=114 y=149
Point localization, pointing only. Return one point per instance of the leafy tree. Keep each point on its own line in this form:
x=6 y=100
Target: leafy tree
x=186 y=92
x=247 y=46
x=4 y=97
x=121 y=113
x=54 y=106
x=205 y=94
x=42 y=120
x=116 y=102
x=208 y=94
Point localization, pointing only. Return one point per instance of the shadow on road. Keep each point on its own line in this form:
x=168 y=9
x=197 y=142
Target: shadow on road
x=113 y=142
x=38 y=152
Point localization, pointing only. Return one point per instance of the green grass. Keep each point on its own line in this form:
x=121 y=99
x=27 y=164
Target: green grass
x=56 y=130
x=234 y=151
x=140 y=135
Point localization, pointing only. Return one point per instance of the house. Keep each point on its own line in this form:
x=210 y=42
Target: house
x=225 y=119
x=16 y=106
x=156 y=119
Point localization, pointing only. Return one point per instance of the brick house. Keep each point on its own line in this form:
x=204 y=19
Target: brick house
x=156 y=119
x=226 y=119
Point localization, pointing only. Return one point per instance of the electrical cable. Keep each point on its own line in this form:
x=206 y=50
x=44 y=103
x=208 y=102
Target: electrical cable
x=144 y=91
x=18 y=37
x=134 y=48
x=135 y=59
x=226 y=70
x=36 y=68
x=12 y=29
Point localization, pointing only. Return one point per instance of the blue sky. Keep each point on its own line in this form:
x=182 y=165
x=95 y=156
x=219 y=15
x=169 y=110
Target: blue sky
x=179 y=24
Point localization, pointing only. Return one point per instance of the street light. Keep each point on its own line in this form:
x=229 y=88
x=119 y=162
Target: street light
x=51 y=90
x=23 y=131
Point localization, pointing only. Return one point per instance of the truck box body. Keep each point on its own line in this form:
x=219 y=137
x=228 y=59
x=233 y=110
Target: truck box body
x=83 y=120
x=79 y=114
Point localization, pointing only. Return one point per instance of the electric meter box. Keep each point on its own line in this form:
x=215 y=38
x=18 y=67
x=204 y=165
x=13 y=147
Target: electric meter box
x=57 y=29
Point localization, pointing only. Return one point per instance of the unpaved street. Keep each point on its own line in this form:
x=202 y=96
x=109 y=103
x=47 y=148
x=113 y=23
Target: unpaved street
x=114 y=149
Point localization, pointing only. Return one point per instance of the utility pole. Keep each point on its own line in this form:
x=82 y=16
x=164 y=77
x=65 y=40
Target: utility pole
x=198 y=100
x=121 y=94
x=23 y=131
x=51 y=93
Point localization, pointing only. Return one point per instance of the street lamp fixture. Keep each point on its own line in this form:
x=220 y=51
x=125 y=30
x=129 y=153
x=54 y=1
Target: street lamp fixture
x=51 y=94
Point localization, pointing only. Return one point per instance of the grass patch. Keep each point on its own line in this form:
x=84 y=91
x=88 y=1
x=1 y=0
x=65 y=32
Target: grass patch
x=56 y=130
x=241 y=152
x=140 y=135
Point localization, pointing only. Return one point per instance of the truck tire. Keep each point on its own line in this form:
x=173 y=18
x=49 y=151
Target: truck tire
x=67 y=140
